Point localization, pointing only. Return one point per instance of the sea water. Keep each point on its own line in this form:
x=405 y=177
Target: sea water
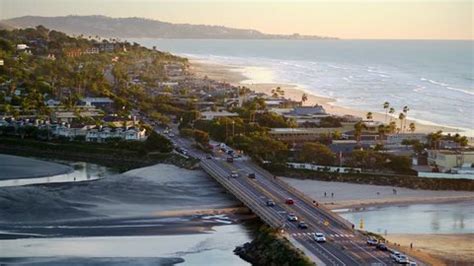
x=433 y=78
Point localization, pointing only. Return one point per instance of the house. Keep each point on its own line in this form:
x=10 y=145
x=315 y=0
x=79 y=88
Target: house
x=100 y=102
x=397 y=139
x=101 y=134
x=344 y=147
x=306 y=114
x=68 y=116
x=299 y=135
x=210 y=115
x=445 y=160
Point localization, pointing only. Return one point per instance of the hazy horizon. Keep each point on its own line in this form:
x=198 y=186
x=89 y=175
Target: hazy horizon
x=350 y=19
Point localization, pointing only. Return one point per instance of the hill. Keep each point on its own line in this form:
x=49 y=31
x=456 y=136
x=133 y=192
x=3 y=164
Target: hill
x=142 y=28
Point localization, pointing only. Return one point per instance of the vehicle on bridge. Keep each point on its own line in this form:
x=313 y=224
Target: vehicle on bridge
x=302 y=225
x=292 y=217
x=230 y=159
x=234 y=174
x=402 y=259
x=319 y=237
x=289 y=201
x=270 y=203
x=251 y=175
x=381 y=246
x=372 y=241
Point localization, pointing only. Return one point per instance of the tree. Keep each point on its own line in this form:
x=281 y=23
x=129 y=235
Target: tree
x=405 y=111
x=158 y=142
x=391 y=112
x=412 y=127
x=401 y=117
x=386 y=106
x=358 y=128
x=304 y=98
x=317 y=153
x=201 y=137
x=370 y=116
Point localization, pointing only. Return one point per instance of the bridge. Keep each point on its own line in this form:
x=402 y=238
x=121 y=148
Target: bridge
x=344 y=246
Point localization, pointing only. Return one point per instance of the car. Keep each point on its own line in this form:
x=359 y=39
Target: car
x=302 y=225
x=251 y=175
x=171 y=135
x=394 y=255
x=372 y=241
x=381 y=246
x=402 y=259
x=234 y=174
x=319 y=237
x=209 y=157
x=270 y=203
x=412 y=263
x=289 y=201
x=230 y=159
x=292 y=217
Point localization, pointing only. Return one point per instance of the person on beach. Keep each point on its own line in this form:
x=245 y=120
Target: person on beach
x=325 y=194
x=332 y=194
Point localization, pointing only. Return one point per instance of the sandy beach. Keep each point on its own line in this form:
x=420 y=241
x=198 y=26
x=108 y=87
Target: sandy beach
x=348 y=195
x=234 y=76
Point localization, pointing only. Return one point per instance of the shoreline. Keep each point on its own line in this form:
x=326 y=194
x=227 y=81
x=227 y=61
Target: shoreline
x=234 y=76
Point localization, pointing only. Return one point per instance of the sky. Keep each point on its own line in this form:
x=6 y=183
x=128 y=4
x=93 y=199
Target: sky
x=348 y=19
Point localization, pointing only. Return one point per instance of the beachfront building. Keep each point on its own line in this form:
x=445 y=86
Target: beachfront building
x=210 y=115
x=101 y=134
x=306 y=114
x=301 y=135
x=446 y=160
x=100 y=102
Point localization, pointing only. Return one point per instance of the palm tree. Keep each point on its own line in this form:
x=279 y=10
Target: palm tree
x=369 y=116
x=391 y=112
x=358 y=127
x=401 y=116
x=412 y=127
x=386 y=105
x=381 y=130
x=304 y=98
x=405 y=111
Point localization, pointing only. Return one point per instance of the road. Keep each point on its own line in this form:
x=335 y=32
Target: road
x=344 y=245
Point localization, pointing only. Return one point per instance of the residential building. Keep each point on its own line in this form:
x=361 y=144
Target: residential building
x=298 y=135
x=397 y=139
x=101 y=102
x=210 y=115
x=445 y=160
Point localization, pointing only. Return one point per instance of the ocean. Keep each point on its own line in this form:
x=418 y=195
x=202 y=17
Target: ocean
x=433 y=78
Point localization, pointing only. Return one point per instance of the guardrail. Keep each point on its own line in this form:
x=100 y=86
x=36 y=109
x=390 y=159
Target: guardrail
x=274 y=223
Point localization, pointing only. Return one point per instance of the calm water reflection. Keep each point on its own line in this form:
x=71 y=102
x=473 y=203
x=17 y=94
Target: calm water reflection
x=447 y=218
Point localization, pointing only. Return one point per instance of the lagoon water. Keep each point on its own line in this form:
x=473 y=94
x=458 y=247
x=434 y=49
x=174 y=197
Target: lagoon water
x=434 y=78
x=447 y=218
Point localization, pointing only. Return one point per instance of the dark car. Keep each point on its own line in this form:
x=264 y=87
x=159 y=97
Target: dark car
x=382 y=246
x=270 y=203
x=251 y=175
x=230 y=159
x=289 y=201
x=302 y=225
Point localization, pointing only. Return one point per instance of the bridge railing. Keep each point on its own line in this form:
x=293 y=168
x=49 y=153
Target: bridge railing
x=244 y=198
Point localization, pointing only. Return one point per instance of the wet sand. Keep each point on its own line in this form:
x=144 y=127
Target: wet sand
x=16 y=167
x=232 y=75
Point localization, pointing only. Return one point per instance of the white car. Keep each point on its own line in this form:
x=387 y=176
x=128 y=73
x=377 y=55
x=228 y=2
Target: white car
x=319 y=237
x=234 y=174
x=394 y=255
x=402 y=259
x=292 y=217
